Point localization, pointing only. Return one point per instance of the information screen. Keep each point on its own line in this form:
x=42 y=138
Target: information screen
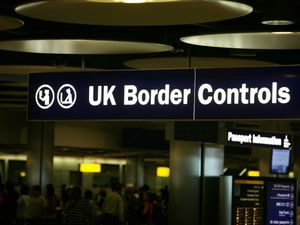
x=248 y=202
x=281 y=207
x=280 y=161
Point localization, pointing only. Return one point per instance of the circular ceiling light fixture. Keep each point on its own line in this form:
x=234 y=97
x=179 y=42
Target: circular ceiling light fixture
x=9 y=23
x=252 y=40
x=277 y=22
x=130 y=1
x=278 y=12
x=199 y=62
x=142 y=13
x=26 y=69
x=82 y=46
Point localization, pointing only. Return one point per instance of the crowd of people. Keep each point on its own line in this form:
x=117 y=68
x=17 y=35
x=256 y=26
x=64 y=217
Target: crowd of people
x=116 y=206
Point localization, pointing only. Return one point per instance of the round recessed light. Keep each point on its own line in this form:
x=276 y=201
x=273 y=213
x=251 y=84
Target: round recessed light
x=82 y=46
x=146 y=13
x=199 y=62
x=129 y=1
x=277 y=22
x=9 y=23
x=26 y=69
x=254 y=40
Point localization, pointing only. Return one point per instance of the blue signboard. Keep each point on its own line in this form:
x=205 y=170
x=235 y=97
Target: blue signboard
x=185 y=94
x=264 y=200
x=281 y=207
x=111 y=95
x=249 y=93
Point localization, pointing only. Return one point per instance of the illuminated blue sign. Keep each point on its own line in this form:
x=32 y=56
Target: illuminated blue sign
x=186 y=94
x=281 y=203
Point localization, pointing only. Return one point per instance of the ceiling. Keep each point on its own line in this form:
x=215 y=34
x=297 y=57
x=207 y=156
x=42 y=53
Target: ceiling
x=41 y=29
x=15 y=95
x=13 y=80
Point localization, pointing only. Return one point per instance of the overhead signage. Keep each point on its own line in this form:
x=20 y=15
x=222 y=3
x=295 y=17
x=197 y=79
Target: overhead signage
x=111 y=95
x=185 y=94
x=257 y=138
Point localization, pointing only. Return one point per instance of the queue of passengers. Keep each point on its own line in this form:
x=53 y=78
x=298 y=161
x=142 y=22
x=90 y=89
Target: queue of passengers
x=120 y=206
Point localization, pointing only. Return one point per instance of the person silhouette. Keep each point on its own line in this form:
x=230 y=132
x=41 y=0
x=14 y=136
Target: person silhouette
x=68 y=99
x=46 y=97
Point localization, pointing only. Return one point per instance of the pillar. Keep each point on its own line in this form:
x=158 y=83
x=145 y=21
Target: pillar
x=195 y=167
x=5 y=173
x=140 y=172
x=185 y=167
x=121 y=173
x=134 y=171
x=150 y=175
x=40 y=153
x=87 y=180
x=193 y=199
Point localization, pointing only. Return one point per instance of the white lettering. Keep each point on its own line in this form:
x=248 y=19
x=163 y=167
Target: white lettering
x=201 y=90
x=274 y=92
x=233 y=94
x=186 y=93
x=164 y=96
x=264 y=95
x=130 y=97
x=284 y=95
x=244 y=90
x=143 y=97
x=176 y=96
x=207 y=94
x=104 y=93
x=220 y=96
x=240 y=138
x=252 y=95
x=92 y=101
x=153 y=94
x=243 y=95
x=257 y=139
x=108 y=95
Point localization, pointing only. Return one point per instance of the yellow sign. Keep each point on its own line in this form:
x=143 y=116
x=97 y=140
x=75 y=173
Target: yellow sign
x=163 y=171
x=253 y=173
x=90 y=167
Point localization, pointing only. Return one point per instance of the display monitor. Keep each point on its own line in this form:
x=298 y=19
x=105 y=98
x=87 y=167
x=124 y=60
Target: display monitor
x=248 y=201
x=280 y=161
